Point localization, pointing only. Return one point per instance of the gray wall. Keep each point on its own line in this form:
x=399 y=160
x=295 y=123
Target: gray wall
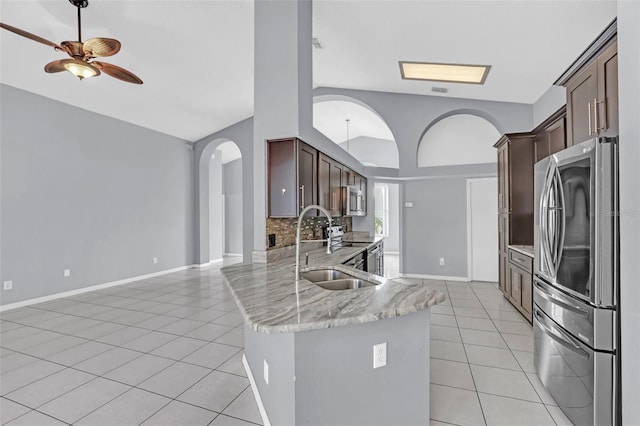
x=88 y=193
x=629 y=92
x=216 y=218
x=392 y=242
x=436 y=226
x=232 y=177
x=552 y=100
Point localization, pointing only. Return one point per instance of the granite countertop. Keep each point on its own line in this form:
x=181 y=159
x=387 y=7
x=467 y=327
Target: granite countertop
x=526 y=250
x=364 y=240
x=272 y=302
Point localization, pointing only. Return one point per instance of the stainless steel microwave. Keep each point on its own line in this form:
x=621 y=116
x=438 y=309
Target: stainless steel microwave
x=353 y=201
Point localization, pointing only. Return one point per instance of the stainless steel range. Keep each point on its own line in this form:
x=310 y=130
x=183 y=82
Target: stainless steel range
x=576 y=280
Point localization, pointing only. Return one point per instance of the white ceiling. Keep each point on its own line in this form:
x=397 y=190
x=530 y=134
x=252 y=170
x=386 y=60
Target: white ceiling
x=196 y=57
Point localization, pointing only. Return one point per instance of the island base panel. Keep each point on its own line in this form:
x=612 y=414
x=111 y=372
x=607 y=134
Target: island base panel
x=326 y=376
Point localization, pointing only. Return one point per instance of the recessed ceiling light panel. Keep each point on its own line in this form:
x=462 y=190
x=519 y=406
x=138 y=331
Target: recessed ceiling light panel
x=452 y=73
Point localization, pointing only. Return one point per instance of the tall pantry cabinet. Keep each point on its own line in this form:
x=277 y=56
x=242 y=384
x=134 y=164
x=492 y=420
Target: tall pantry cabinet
x=515 y=201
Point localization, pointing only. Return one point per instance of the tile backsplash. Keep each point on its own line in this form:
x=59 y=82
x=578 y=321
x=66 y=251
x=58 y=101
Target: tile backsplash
x=285 y=229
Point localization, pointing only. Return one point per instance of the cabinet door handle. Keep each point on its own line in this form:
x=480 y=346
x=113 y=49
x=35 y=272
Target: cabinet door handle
x=589 y=114
x=595 y=112
x=595 y=115
x=302 y=197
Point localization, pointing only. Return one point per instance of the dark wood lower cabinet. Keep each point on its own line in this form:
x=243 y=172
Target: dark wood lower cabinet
x=520 y=283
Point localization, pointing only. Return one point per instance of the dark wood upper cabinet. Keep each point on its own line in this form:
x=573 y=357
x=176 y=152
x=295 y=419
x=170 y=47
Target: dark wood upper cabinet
x=307 y=175
x=550 y=136
x=349 y=176
x=608 y=91
x=592 y=98
x=581 y=92
x=292 y=176
x=330 y=184
x=557 y=135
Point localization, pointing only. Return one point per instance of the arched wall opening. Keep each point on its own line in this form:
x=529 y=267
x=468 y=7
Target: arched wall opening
x=221 y=206
x=366 y=136
x=458 y=138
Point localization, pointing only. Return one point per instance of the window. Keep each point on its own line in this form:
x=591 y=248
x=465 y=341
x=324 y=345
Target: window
x=381 y=209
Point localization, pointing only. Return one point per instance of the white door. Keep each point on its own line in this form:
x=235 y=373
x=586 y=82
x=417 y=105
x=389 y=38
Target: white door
x=482 y=232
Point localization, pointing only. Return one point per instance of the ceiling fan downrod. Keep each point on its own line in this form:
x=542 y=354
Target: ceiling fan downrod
x=80 y=4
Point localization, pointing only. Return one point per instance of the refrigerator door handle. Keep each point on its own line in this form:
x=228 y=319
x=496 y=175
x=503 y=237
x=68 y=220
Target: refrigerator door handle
x=561 y=219
x=544 y=223
x=560 y=336
x=547 y=295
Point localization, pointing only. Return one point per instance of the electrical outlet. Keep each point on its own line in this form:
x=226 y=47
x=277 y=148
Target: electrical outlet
x=266 y=372
x=155 y=260
x=272 y=240
x=442 y=261
x=66 y=273
x=8 y=285
x=380 y=355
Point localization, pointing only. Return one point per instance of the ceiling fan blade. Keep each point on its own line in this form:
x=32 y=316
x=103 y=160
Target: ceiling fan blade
x=117 y=72
x=55 y=66
x=29 y=35
x=101 y=47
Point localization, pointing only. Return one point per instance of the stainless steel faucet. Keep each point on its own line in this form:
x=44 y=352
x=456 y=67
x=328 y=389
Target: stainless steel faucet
x=299 y=241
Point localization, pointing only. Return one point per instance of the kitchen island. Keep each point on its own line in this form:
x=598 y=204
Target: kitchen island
x=309 y=351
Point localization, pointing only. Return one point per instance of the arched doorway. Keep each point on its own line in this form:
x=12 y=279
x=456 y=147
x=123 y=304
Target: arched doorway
x=221 y=206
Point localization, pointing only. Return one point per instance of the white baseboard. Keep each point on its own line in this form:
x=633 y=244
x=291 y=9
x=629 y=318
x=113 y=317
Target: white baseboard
x=395 y=253
x=435 y=277
x=91 y=288
x=256 y=394
x=233 y=254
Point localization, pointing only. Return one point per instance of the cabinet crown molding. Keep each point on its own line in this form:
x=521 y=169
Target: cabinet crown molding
x=605 y=38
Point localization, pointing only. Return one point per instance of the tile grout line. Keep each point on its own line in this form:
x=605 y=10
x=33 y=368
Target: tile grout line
x=484 y=418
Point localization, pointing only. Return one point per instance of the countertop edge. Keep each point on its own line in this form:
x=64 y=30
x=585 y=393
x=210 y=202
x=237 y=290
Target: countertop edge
x=521 y=251
x=341 y=322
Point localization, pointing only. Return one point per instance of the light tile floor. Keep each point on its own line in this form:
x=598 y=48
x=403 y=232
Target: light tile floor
x=482 y=362
x=167 y=351
x=160 y=351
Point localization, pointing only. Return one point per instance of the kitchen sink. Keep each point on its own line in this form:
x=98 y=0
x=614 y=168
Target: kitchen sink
x=344 y=284
x=332 y=279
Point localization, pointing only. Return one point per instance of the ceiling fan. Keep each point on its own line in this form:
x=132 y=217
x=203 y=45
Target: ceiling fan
x=82 y=54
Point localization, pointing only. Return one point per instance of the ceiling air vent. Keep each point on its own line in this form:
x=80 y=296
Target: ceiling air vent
x=439 y=89
x=317 y=43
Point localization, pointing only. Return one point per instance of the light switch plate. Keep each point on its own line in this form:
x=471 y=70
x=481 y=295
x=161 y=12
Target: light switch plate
x=380 y=355
x=66 y=272
x=408 y=204
x=7 y=285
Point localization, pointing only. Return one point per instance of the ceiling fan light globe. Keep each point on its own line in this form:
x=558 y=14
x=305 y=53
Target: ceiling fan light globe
x=81 y=69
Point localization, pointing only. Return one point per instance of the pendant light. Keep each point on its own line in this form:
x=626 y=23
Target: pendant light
x=348 y=123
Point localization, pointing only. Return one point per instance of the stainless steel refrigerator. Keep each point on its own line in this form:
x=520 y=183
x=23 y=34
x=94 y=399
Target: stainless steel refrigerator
x=576 y=332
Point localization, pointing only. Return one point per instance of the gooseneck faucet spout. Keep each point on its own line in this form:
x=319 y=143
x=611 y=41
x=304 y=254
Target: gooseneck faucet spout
x=299 y=241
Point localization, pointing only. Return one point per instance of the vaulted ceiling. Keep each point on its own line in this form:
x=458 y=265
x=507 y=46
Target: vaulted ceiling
x=196 y=57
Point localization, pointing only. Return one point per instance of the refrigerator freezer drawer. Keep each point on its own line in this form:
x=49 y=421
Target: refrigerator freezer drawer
x=579 y=379
x=593 y=326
